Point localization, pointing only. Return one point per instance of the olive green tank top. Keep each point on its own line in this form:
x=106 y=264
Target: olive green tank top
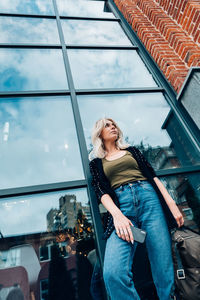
x=122 y=170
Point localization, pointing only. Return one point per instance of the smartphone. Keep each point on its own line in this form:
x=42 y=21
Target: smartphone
x=139 y=235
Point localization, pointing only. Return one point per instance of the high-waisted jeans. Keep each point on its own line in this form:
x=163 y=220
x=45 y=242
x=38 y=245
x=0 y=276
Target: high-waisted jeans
x=140 y=202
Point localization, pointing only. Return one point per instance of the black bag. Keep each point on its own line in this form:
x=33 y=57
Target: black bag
x=186 y=257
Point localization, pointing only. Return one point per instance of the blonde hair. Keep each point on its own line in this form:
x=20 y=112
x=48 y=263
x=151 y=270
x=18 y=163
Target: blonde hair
x=98 y=146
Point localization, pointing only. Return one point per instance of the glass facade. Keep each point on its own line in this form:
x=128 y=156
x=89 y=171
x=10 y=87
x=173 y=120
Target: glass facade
x=94 y=69
x=63 y=65
x=31 y=69
x=39 y=141
x=28 y=30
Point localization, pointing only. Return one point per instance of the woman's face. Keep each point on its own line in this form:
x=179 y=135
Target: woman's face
x=109 y=132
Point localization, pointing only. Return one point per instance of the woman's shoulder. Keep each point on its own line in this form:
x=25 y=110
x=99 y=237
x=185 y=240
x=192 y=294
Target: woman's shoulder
x=94 y=162
x=132 y=148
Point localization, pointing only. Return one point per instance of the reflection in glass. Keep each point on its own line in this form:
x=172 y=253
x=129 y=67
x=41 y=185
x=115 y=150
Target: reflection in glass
x=28 y=30
x=108 y=69
x=38 y=142
x=185 y=190
x=141 y=117
x=32 y=69
x=84 y=32
x=40 y=7
x=82 y=8
x=50 y=236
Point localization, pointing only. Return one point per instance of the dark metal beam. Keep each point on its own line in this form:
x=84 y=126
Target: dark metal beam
x=120 y=91
x=90 y=18
x=27 y=15
x=82 y=143
x=26 y=45
x=43 y=188
x=34 y=93
x=178 y=171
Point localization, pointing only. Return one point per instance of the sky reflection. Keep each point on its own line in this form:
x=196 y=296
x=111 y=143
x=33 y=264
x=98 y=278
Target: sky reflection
x=28 y=30
x=135 y=114
x=27 y=7
x=81 y=8
x=32 y=69
x=38 y=142
x=109 y=69
x=84 y=32
x=27 y=214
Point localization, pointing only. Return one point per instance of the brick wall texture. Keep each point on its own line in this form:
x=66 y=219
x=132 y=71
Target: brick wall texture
x=170 y=31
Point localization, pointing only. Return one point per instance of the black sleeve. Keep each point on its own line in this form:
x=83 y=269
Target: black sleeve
x=147 y=164
x=96 y=181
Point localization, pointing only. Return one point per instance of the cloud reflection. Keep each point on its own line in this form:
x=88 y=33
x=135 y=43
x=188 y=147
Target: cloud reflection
x=84 y=32
x=81 y=8
x=109 y=69
x=32 y=69
x=135 y=114
x=39 y=130
x=28 y=214
x=27 y=6
x=28 y=30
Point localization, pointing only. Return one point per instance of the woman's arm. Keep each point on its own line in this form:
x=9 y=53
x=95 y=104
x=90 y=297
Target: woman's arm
x=170 y=202
x=121 y=222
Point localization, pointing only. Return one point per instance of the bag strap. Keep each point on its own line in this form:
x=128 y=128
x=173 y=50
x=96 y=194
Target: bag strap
x=180 y=271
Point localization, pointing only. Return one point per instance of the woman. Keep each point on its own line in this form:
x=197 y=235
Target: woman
x=127 y=186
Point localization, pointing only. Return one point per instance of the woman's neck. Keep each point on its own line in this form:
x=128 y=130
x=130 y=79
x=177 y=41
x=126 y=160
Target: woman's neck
x=110 y=147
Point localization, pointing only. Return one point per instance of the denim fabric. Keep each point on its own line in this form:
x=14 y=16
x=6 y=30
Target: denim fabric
x=140 y=203
x=96 y=288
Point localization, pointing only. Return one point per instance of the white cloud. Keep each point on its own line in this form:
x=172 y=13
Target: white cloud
x=33 y=69
x=37 y=143
x=83 y=8
x=28 y=30
x=109 y=69
x=84 y=32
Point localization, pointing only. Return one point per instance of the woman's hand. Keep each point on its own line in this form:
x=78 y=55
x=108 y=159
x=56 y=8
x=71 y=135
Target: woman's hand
x=176 y=213
x=122 y=226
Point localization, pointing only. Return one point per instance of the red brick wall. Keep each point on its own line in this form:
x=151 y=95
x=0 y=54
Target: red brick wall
x=170 y=31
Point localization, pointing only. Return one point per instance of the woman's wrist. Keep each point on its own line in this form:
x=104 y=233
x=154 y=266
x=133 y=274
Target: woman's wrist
x=116 y=213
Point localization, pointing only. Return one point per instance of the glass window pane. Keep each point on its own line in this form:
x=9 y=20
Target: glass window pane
x=141 y=118
x=47 y=237
x=38 y=142
x=84 y=32
x=81 y=8
x=185 y=190
x=32 y=69
x=40 y=7
x=108 y=69
x=28 y=30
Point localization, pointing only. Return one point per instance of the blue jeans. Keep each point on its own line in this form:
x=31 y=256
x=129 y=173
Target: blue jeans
x=140 y=203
